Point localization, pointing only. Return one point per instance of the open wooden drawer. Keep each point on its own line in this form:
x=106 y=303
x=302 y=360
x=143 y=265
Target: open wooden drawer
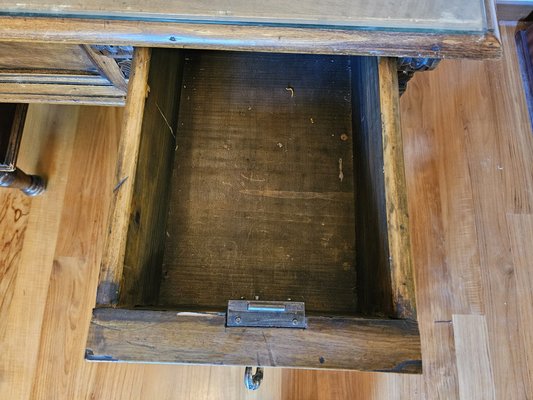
x=276 y=177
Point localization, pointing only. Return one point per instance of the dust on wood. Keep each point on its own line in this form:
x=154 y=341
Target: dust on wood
x=257 y=206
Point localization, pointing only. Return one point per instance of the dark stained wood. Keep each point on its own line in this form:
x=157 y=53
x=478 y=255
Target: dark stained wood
x=339 y=343
x=373 y=273
x=147 y=220
x=262 y=197
x=385 y=283
x=31 y=185
x=524 y=41
x=254 y=38
x=12 y=118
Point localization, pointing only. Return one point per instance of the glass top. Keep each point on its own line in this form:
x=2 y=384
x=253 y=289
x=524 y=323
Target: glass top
x=432 y=15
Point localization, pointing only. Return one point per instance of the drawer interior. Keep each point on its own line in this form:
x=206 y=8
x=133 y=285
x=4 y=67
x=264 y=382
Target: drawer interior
x=259 y=176
x=262 y=200
x=262 y=192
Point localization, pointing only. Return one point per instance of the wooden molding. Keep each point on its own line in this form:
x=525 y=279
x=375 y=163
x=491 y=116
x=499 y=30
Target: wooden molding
x=253 y=38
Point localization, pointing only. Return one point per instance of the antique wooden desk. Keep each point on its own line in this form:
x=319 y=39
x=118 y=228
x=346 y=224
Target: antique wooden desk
x=259 y=215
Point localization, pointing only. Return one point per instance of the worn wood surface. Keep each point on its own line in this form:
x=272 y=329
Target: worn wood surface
x=196 y=338
x=62 y=58
x=60 y=90
x=439 y=112
x=107 y=67
x=57 y=73
x=115 y=247
x=407 y=14
x=252 y=38
x=262 y=199
x=147 y=218
x=46 y=98
x=399 y=250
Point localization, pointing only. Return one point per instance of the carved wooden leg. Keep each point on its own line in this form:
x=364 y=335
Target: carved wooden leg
x=32 y=185
x=12 y=118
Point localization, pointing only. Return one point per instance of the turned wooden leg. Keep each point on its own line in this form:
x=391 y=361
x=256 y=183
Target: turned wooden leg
x=12 y=118
x=32 y=185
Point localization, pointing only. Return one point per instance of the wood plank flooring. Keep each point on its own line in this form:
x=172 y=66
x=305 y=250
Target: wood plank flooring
x=468 y=149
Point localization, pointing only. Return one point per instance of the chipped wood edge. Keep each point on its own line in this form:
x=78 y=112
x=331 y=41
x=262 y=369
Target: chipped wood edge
x=113 y=257
x=493 y=30
x=107 y=67
x=122 y=335
x=252 y=38
x=400 y=258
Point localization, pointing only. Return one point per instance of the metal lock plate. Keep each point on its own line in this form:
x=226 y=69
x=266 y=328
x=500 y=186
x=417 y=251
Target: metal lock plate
x=266 y=314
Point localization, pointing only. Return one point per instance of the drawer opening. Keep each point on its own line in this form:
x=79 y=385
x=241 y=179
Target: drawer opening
x=261 y=176
x=264 y=199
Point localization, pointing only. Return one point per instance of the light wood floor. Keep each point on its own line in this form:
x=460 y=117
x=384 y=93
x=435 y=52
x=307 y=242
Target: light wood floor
x=469 y=154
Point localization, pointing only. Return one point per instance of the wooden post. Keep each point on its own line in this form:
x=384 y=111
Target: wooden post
x=31 y=185
x=12 y=118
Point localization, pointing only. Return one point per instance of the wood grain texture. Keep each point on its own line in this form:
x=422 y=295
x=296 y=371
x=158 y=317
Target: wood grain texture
x=353 y=385
x=262 y=199
x=61 y=99
x=115 y=247
x=151 y=192
x=333 y=343
x=252 y=38
x=46 y=57
x=400 y=262
x=38 y=76
x=14 y=217
x=520 y=229
x=453 y=212
x=60 y=73
x=73 y=277
x=60 y=90
x=491 y=156
x=474 y=367
x=46 y=149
